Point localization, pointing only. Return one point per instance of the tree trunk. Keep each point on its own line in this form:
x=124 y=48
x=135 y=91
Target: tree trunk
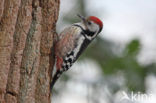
x=27 y=28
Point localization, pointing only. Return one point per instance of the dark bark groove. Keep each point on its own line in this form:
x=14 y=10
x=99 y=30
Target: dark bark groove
x=26 y=56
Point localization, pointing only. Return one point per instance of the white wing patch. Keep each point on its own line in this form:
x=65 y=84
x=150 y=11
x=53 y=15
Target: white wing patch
x=80 y=41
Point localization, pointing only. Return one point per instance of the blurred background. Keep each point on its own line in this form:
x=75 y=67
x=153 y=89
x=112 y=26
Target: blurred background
x=120 y=65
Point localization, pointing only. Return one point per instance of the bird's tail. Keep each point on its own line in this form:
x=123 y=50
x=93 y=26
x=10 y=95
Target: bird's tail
x=54 y=79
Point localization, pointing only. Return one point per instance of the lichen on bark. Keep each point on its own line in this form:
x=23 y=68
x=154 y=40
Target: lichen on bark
x=26 y=56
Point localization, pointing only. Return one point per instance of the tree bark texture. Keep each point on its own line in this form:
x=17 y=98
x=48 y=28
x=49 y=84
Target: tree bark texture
x=27 y=28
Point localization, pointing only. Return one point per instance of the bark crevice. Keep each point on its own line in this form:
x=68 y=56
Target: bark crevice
x=26 y=58
x=11 y=93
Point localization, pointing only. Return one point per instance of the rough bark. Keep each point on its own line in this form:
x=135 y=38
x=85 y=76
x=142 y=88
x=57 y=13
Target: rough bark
x=27 y=28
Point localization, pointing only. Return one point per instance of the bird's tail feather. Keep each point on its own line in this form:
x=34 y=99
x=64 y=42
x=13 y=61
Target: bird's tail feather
x=54 y=79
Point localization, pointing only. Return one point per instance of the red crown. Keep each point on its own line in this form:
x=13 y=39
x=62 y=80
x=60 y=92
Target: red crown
x=96 y=20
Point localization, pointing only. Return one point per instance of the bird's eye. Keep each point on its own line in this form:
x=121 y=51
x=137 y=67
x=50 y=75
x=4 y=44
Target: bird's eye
x=89 y=23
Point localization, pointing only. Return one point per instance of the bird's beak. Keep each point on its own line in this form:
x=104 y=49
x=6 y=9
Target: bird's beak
x=81 y=17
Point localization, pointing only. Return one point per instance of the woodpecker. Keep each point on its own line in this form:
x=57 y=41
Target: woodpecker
x=72 y=41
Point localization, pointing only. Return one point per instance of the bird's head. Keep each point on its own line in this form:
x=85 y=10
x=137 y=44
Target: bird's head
x=92 y=24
